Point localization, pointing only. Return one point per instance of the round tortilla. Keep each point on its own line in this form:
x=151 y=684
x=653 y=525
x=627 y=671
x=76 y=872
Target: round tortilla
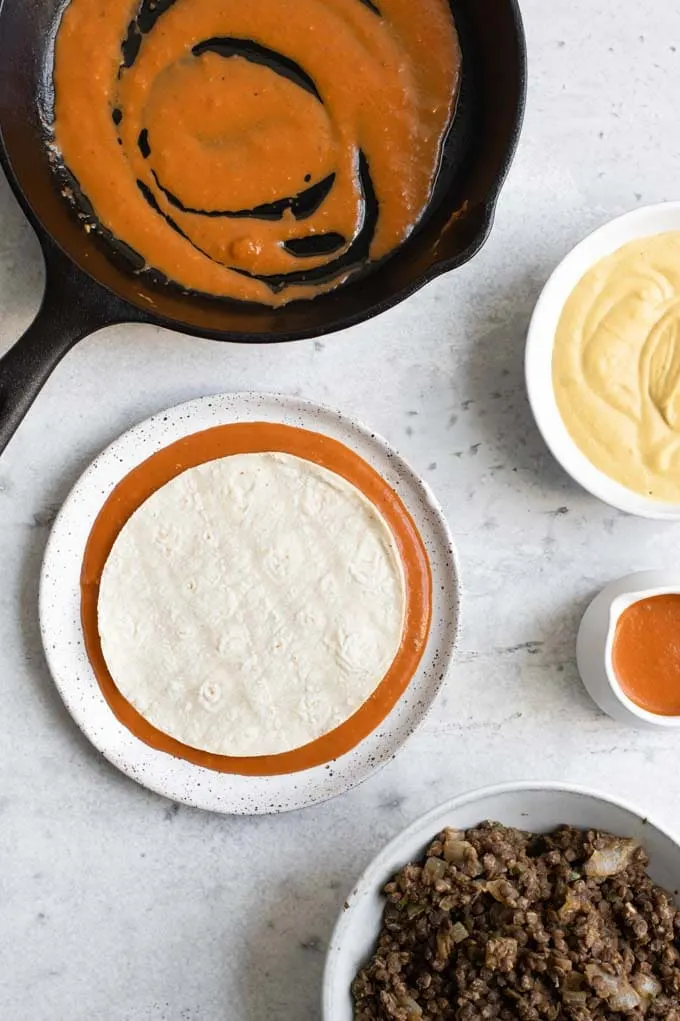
x=252 y=605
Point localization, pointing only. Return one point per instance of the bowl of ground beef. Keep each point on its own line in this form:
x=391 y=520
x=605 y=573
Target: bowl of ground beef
x=525 y=902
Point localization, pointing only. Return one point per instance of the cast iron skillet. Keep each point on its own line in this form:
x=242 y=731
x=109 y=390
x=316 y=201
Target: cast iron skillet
x=86 y=289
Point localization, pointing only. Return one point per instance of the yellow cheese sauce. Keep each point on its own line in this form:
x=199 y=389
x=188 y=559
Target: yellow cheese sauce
x=261 y=150
x=616 y=366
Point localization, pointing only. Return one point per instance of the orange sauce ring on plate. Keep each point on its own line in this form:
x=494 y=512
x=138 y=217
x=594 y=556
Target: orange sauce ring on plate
x=251 y=438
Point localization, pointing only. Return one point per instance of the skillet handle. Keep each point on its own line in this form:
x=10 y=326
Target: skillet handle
x=72 y=307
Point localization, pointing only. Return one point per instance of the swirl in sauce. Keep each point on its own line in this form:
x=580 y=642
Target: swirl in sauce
x=262 y=150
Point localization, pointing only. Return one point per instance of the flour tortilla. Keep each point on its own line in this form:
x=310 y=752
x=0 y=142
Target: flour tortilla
x=252 y=604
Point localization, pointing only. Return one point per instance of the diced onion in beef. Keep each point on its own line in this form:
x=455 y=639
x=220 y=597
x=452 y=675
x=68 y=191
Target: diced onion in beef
x=647 y=986
x=433 y=870
x=615 y=989
x=611 y=860
x=456 y=850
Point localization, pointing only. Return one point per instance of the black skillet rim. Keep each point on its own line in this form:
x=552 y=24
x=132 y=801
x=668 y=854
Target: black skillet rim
x=124 y=310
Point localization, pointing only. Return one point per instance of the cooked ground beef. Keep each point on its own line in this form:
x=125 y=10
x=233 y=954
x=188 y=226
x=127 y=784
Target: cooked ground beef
x=496 y=923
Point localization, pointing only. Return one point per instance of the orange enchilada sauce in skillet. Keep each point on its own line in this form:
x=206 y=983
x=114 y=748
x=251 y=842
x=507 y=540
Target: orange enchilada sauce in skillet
x=261 y=150
x=246 y=438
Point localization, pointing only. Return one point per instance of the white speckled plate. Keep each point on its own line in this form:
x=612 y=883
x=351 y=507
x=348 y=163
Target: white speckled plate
x=63 y=638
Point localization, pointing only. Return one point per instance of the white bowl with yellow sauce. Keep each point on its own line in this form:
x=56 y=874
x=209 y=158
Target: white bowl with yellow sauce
x=603 y=362
x=595 y=646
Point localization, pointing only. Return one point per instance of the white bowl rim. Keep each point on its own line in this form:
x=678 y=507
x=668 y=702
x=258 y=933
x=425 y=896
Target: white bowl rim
x=372 y=874
x=645 y=221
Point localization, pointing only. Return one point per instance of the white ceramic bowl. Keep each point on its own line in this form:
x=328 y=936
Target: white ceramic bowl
x=596 y=639
x=538 y=360
x=537 y=807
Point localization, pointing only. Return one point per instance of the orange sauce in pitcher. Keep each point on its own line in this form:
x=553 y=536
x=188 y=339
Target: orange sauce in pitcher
x=646 y=654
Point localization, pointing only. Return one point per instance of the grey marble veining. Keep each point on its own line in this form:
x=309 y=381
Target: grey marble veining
x=116 y=904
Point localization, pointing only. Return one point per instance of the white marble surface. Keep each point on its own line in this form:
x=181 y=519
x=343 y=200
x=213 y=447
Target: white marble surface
x=118 y=906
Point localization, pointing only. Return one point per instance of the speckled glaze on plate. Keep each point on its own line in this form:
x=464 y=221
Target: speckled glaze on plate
x=63 y=638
